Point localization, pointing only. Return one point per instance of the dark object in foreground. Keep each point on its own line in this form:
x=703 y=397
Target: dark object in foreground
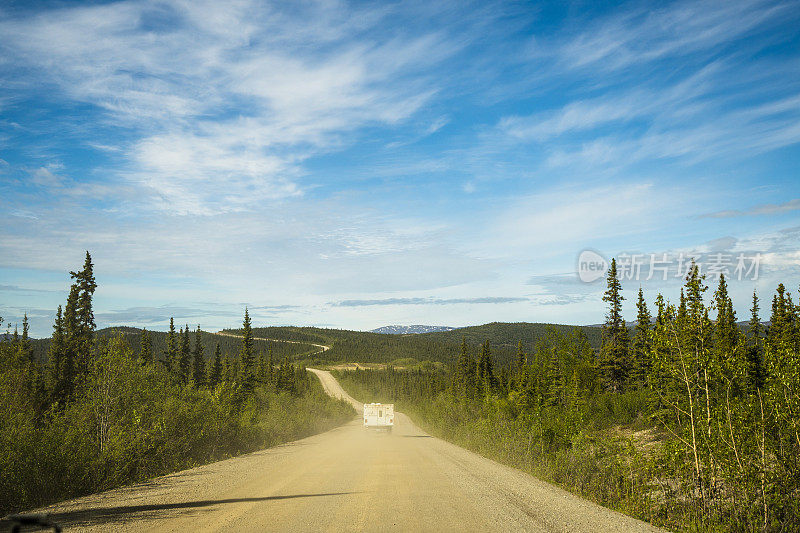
x=39 y=520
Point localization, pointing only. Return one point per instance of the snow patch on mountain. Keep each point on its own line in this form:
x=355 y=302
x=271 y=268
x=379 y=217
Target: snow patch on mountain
x=409 y=330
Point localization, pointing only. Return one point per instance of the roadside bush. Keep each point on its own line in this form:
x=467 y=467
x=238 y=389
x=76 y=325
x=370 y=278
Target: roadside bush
x=131 y=422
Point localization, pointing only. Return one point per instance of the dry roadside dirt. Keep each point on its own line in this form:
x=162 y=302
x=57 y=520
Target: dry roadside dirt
x=347 y=479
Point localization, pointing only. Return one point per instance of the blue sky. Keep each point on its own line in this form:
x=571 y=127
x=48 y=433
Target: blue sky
x=361 y=164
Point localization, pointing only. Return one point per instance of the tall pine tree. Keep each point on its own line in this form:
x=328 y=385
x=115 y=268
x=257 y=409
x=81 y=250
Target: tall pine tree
x=487 y=381
x=55 y=357
x=25 y=350
x=614 y=350
x=726 y=332
x=246 y=355
x=641 y=343
x=185 y=361
x=756 y=371
x=199 y=366
x=83 y=325
x=465 y=376
x=215 y=373
x=170 y=360
x=146 y=347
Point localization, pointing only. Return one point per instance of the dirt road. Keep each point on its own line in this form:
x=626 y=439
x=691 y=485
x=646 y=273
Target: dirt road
x=348 y=479
x=322 y=347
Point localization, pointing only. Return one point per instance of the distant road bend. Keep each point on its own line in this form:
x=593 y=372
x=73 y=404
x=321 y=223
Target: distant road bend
x=347 y=479
x=322 y=347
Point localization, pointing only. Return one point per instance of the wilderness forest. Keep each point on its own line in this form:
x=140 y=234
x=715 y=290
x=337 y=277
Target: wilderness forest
x=687 y=420
x=97 y=412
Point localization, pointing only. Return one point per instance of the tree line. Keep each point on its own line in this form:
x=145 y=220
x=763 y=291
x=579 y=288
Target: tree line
x=157 y=343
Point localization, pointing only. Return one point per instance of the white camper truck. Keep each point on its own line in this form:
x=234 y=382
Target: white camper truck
x=379 y=415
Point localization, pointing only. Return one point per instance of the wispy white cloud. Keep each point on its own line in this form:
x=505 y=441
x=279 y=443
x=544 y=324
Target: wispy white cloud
x=229 y=101
x=677 y=82
x=570 y=216
x=642 y=35
x=758 y=210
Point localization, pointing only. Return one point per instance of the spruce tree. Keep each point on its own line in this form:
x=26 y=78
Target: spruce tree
x=55 y=356
x=25 y=350
x=199 y=367
x=246 y=354
x=698 y=325
x=84 y=325
x=185 y=361
x=726 y=331
x=521 y=356
x=756 y=371
x=262 y=367
x=227 y=369
x=682 y=313
x=755 y=329
x=284 y=376
x=67 y=374
x=300 y=378
x=464 y=382
x=270 y=366
x=553 y=386
x=614 y=350
x=487 y=381
x=661 y=310
x=146 y=347
x=783 y=322
x=171 y=353
x=216 y=371
x=641 y=343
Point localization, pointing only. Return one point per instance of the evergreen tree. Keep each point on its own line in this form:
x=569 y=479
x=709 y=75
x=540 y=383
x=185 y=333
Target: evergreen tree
x=83 y=326
x=228 y=372
x=726 y=332
x=487 y=381
x=246 y=355
x=146 y=347
x=696 y=313
x=55 y=356
x=199 y=366
x=756 y=371
x=262 y=367
x=270 y=366
x=755 y=330
x=170 y=360
x=67 y=375
x=521 y=357
x=300 y=378
x=25 y=350
x=285 y=374
x=682 y=313
x=553 y=388
x=641 y=342
x=465 y=376
x=782 y=327
x=614 y=351
x=185 y=361
x=215 y=374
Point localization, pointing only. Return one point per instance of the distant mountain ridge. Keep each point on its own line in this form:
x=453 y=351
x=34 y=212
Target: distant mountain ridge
x=410 y=330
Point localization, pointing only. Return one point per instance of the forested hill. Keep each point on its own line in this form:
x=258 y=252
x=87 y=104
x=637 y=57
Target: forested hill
x=228 y=345
x=369 y=347
x=360 y=346
x=510 y=333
